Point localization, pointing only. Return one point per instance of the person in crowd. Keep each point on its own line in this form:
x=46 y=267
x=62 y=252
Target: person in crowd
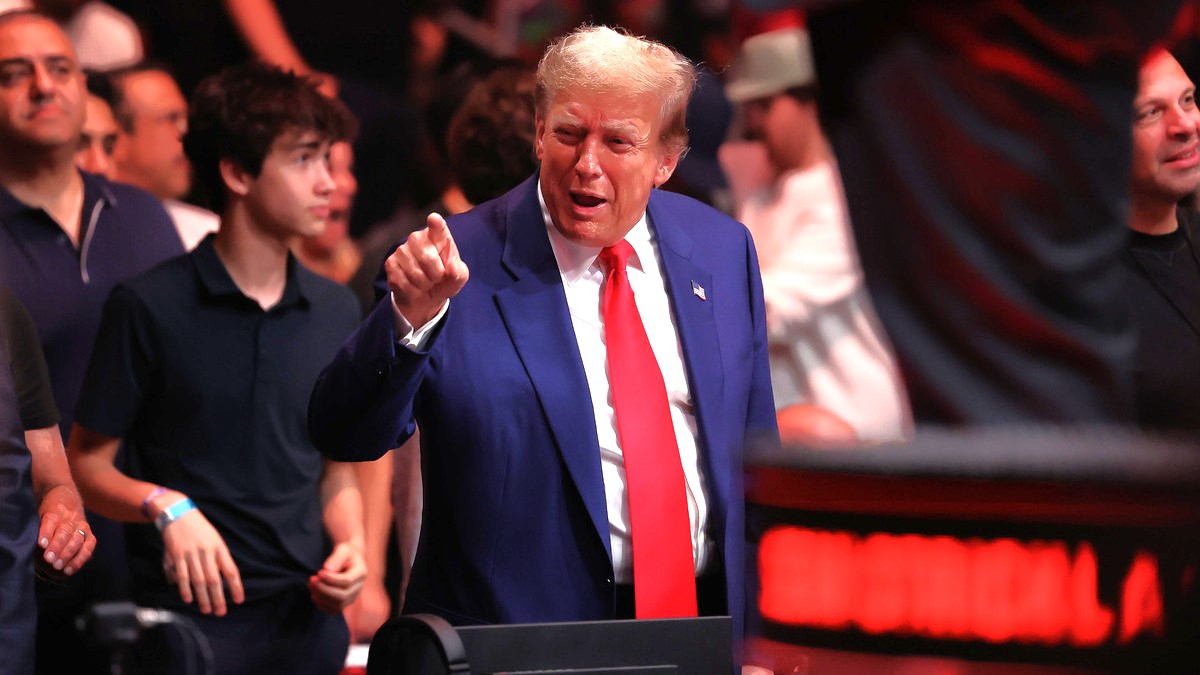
x=152 y=115
x=700 y=174
x=29 y=423
x=66 y=238
x=99 y=135
x=585 y=357
x=203 y=367
x=827 y=349
x=332 y=253
x=490 y=139
x=364 y=59
x=1163 y=252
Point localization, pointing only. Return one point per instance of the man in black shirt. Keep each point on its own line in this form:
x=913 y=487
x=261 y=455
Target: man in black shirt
x=204 y=366
x=1164 y=248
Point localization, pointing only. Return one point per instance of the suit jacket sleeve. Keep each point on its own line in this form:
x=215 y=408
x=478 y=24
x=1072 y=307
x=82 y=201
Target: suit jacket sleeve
x=362 y=403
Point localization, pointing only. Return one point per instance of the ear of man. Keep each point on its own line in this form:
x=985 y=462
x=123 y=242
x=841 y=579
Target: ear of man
x=237 y=180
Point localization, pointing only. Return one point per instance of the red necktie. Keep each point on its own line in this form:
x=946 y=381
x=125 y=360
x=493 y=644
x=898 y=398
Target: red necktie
x=664 y=580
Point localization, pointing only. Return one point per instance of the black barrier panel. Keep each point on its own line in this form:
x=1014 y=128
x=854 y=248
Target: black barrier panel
x=426 y=645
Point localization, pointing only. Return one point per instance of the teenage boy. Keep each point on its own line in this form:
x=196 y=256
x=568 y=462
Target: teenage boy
x=203 y=368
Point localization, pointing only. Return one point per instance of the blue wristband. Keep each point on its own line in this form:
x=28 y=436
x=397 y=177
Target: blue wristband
x=173 y=513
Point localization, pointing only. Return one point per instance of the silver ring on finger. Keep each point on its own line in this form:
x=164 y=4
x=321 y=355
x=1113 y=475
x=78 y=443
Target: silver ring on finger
x=82 y=533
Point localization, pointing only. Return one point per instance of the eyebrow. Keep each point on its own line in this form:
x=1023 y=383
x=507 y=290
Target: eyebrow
x=621 y=128
x=610 y=127
x=22 y=60
x=306 y=145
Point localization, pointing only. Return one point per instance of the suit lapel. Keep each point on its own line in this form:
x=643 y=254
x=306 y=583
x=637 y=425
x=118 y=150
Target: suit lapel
x=689 y=286
x=535 y=313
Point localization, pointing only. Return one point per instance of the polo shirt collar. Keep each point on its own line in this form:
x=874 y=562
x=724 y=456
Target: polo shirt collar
x=216 y=282
x=95 y=188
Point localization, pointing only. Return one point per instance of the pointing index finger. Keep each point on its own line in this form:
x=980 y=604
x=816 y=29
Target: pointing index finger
x=440 y=237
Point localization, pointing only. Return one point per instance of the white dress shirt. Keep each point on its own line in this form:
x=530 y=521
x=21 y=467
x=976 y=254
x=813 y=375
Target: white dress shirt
x=192 y=222
x=826 y=345
x=582 y=277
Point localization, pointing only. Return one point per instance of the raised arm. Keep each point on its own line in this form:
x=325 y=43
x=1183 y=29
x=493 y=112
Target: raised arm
x=362 y=403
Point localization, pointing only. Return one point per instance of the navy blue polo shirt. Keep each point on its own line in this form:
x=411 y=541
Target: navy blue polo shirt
x=210 y=392
x=124 y=231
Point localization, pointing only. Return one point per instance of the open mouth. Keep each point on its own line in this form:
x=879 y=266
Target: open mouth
x=586 y=201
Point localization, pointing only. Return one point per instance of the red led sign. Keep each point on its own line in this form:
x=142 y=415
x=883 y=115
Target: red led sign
x=992 y=590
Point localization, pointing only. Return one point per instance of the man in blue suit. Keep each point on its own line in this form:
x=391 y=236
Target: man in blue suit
x=527 y=512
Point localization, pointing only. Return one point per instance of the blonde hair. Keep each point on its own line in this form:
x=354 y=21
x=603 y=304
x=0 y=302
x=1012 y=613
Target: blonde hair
x=600 y=59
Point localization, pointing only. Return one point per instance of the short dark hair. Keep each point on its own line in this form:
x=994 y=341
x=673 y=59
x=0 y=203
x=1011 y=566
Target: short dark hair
x=490 y=140
x=805 y=93
x=238 y=113
x=101 y=87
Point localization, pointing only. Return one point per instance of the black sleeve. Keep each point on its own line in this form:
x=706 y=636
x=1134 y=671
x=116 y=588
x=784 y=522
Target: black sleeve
x=31 y=378
x=122 y=366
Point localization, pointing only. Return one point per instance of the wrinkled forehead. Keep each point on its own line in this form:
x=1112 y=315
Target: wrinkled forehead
x=152 y=86
x=33 y=37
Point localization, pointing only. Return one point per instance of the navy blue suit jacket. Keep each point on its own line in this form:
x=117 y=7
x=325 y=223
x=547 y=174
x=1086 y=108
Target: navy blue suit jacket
x=515 y=526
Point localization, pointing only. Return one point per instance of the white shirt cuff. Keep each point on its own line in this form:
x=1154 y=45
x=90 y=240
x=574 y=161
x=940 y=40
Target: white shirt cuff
x=415 y=339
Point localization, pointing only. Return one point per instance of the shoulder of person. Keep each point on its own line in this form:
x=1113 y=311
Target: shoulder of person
x=131 y=201
x=695 y=213
x=162 y=283
x=329 y=295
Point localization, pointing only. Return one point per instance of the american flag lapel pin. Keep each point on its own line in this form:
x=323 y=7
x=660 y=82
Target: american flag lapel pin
x=698 y=291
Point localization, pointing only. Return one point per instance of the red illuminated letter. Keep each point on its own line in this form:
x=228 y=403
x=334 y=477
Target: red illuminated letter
x=1092 y=620
x=1045 y=609
x=1141 y=599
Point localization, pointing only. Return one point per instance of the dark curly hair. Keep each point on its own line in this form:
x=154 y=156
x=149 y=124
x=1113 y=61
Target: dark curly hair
x=490 y=139
x=238 y=114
